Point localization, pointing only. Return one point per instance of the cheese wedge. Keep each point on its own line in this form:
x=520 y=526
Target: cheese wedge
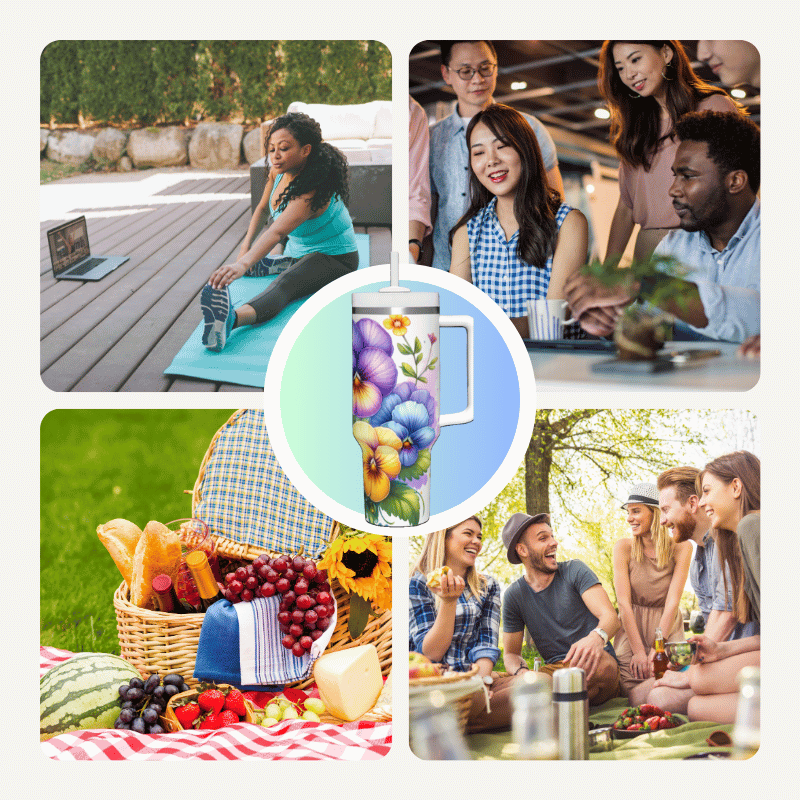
x=349 y=681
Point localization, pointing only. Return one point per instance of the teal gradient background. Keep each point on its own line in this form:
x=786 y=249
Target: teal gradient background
x=316 y=404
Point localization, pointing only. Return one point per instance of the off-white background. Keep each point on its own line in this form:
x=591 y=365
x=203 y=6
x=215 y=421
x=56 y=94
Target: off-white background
x=29 y=27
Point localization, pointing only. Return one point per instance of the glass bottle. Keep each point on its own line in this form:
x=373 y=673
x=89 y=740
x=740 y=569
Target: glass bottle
x=532 y=723
x=435 y=735
x=660 y=659
x=747 y=728
x=204 y=579
x=165 y=598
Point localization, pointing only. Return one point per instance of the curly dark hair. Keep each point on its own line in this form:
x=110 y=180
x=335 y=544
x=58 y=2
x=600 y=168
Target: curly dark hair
x=535 y=202
x=636 y=121
x=325 y=171
x=734 y=142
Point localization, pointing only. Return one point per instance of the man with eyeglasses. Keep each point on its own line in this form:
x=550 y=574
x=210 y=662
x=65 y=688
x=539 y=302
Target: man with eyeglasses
x=470 y=68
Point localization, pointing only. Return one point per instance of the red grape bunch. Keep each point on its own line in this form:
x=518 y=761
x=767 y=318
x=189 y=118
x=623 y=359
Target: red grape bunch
x=306 y=606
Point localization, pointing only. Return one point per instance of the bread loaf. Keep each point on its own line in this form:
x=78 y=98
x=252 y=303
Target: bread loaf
x=157 y=551
x=120 y=538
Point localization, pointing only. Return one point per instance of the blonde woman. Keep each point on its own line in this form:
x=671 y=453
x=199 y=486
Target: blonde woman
x=454 y=617
x=650 y=572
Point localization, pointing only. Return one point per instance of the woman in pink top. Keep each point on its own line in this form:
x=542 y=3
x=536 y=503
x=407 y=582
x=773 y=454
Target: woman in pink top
x=648 y=86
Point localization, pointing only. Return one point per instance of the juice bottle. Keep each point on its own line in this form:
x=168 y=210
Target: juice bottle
x=660 y=659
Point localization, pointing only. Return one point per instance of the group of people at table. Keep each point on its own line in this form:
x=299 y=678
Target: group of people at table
x=569 y=616
x=689 y=176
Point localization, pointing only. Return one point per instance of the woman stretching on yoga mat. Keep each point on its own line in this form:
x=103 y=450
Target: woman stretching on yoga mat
x=306 y=193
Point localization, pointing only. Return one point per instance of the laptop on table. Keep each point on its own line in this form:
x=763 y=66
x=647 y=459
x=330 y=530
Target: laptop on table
x=71 y=257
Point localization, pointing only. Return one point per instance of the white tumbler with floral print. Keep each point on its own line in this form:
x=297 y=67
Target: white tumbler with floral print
x=396 y=418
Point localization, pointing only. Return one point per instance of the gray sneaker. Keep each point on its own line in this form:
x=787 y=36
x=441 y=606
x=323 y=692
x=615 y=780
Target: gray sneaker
x=218 y=316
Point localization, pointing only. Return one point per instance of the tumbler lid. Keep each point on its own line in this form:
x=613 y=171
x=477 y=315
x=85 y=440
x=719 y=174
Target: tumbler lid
x=394 y=298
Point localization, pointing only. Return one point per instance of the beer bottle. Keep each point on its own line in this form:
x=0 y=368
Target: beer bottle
x=207 y=588
x=660 y=659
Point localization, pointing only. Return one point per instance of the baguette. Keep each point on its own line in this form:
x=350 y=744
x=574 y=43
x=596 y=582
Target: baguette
x=120 y=538
x=157 y=551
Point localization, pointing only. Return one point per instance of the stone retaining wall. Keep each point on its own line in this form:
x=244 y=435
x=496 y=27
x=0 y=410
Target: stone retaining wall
x=210 y=146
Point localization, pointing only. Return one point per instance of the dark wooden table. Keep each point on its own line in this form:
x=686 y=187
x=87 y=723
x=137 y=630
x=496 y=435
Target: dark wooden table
x=121 y=333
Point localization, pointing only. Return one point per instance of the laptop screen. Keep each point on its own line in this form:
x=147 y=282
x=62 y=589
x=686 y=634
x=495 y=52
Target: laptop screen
x=69 y=243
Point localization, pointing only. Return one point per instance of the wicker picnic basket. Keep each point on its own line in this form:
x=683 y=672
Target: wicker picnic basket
x=155 y=642
x=461 y=706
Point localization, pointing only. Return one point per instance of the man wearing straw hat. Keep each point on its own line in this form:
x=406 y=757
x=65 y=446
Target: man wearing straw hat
x=563 y=606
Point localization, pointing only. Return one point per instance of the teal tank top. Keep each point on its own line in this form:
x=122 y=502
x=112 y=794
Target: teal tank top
x=331 y=232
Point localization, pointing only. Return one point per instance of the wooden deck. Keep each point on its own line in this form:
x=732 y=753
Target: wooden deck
x=121 y=333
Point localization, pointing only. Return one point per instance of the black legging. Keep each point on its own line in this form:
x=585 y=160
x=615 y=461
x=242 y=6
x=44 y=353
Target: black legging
x=306 y=276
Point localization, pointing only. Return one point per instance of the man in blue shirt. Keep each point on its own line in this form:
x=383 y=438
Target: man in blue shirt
x=470 y=68
x=717 y=174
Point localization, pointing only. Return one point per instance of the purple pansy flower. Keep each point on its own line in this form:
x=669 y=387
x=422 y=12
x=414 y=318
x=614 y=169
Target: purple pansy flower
x=410 y=421
x=374 y=372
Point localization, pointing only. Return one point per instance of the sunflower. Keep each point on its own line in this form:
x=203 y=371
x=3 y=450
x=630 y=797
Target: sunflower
x=362 y=563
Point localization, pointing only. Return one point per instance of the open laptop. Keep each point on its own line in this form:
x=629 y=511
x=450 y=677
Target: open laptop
x=70 y=255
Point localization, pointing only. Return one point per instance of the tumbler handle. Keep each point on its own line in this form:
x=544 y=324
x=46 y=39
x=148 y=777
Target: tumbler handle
x=468 y=414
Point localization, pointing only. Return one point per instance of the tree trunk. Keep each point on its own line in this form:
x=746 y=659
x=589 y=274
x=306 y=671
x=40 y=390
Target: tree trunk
x=538 y=460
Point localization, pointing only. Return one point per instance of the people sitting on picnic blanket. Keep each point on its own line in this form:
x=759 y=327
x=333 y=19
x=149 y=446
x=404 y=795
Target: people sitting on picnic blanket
x=717 y=171
x=730 y=497
x=306 y=195
x=563 y=606
x=454 y=618
x=650 y=571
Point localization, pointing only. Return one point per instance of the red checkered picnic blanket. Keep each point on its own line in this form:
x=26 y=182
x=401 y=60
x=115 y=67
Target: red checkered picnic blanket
x=293 y=740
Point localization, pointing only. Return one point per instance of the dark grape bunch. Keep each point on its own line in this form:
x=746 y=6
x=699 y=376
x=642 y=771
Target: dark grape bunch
x=306 y=599
x=143 y=702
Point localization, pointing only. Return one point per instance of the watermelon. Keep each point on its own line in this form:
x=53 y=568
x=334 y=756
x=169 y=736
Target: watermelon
x=82 y=693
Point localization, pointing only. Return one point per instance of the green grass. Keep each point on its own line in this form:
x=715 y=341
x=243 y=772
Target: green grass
x=53 y=171
x=98 y=465
x=528 y=653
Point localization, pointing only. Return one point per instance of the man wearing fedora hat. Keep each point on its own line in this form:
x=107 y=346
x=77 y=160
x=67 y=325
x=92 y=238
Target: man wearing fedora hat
x=563 y=606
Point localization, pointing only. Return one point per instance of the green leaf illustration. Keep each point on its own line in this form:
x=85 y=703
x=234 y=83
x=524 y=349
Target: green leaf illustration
x=371 y=511
x=432 y=362
x=407 y=369
x=418 y=358
x=422 y=380
x=417 y=345
x=418 y=468
x=402 y=502
x=404 y=349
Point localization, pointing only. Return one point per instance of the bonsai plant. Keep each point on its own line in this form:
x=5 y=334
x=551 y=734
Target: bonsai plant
x=643 y=327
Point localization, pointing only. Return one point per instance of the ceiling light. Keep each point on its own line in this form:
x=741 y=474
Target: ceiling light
x=602 y=113
x=517 y=86
x=740 y=93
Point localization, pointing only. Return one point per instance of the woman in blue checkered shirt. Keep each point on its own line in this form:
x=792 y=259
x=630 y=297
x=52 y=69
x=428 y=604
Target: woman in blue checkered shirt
x=454 y=618
x=517 y=240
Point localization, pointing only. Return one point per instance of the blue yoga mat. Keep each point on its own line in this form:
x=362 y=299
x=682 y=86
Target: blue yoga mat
x=247 y=352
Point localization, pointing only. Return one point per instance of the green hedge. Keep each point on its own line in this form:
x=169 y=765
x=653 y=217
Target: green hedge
x=147 y=82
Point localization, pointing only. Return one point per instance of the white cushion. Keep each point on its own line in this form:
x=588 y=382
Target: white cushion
x=340 y=122
x=383 y=119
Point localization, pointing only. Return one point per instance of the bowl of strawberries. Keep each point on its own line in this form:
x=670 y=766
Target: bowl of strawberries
x=209 y=706
x=646 y=718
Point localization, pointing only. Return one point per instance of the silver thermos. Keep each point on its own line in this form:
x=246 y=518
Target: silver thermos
x=571 y=704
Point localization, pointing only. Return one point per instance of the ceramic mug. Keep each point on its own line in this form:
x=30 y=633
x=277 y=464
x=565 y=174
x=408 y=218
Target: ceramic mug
x=547 y=319
x=396 y=405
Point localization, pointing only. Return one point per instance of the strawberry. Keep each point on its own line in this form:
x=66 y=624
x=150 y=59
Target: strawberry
x=653 y=722
x=666 y=723
x=649 y=710
x=187 y=714
x=228 y=717
x=234 y=701
x=635 y=727
x=212 y=721
x=251 y=696
x=211 y=700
